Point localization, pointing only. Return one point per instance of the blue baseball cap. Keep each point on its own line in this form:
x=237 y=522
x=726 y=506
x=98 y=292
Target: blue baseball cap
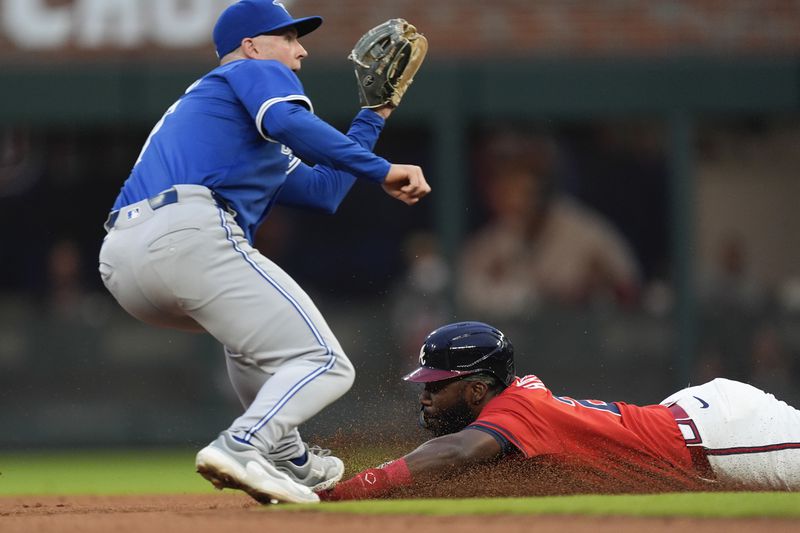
x=248 y=18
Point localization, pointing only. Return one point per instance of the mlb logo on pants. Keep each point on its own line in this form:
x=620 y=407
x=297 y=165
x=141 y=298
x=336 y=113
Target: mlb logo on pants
x=133 y=213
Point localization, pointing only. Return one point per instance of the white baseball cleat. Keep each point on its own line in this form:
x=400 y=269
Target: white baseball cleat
x=320 y=472
x=228 y=463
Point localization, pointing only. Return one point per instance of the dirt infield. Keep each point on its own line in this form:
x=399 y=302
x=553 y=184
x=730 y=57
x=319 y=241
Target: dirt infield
x=231 y=512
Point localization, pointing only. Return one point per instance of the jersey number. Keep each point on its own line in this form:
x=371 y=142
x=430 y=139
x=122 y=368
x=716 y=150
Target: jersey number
x=590 y=404
x=170 y=110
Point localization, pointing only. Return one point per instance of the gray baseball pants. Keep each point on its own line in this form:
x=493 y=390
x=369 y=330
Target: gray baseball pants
x=188 y=266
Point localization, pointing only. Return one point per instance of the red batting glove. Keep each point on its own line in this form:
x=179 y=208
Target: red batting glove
x=371 y=483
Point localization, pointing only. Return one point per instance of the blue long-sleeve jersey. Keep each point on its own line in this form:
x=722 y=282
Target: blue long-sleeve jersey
x=241 y=131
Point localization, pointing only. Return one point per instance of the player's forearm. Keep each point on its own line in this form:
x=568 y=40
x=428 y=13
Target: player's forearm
x=427 y=463
x=366 y=128
x=450 y=453
x=378 y=482
x=320 y=187
x=318 y=142
x=371 y=483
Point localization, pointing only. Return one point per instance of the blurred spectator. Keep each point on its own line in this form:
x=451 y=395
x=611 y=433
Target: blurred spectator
x=729 y=285
x=710 y=364
x=68 y=298
x=732 y=302
x=64 y=270
x=771 y=365
x=619 y=167
x=539 y=247
x=789 y=295
x=420 y=300
x=20 y=161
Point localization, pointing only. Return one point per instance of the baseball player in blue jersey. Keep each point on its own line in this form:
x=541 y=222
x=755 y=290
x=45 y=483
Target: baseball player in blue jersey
x=179 y=252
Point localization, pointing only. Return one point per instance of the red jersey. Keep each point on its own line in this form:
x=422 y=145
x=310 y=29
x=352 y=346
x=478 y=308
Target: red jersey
x=611 y=446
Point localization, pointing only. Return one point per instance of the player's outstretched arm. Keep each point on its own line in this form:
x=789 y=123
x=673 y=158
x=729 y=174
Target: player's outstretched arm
x=317 y=141
x=406 y=183
x=449 y=453
x=434 y=458
x=322 y=187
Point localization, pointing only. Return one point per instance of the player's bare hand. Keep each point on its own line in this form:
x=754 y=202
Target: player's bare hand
x=406 y=183
x=385 y=111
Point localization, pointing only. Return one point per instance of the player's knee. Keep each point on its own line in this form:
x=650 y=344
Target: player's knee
x=346 y=372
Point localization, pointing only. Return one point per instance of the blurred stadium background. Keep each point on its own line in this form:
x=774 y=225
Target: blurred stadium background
x=674 y=122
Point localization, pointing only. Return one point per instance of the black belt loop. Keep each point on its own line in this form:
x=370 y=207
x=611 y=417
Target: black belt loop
x=112 y=218
x=223 y=203
x=167 y=197
x=170 y=196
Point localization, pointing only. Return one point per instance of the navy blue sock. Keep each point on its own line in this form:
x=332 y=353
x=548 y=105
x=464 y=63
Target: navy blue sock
x=300 y=461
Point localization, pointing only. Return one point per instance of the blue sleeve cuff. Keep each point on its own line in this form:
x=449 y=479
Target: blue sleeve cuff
x=366 y=128
x=504 y=443
x=372 y=117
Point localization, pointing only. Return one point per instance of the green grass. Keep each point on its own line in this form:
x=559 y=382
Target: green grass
x=172 y=472
x=706 y=505
x=100 y=472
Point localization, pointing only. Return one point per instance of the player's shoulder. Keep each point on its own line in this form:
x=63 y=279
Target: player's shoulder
x=266 y=76
x=528 y=388
x=524 y=401
x=529 y=382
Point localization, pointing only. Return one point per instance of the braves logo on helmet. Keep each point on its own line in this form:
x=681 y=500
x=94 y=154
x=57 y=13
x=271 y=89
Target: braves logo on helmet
x=464 y=348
